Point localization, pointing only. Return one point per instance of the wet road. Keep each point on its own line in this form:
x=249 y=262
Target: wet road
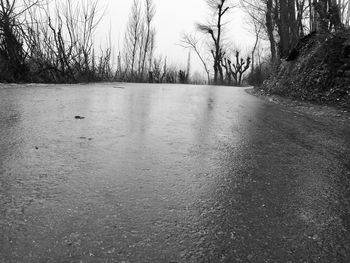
x=163 y=173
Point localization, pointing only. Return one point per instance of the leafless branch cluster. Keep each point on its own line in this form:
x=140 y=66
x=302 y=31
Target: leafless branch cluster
x=220 y=8
x=224 y=70
x=191 y=42
x=139 y=41
x=235 y=69
x=138 y=61
x=51 y=41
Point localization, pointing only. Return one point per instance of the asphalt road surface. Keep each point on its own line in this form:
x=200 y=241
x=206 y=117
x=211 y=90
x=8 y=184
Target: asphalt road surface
x=168 y=173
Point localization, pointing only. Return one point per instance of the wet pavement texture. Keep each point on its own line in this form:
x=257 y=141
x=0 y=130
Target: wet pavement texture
x=168 y=173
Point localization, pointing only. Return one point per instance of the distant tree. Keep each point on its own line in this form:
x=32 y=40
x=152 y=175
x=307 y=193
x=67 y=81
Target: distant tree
x=139 y=40
x=219 y=8
x=191 y=42
x=188 y=70
x=183 y=76
x=236 y=69
x=171 y=75
x=148 y=36
x=133 y=37
x=158 y=70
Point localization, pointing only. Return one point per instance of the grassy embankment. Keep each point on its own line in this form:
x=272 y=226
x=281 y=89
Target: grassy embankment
x=317 y=70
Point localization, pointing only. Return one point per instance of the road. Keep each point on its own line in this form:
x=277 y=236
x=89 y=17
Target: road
x=166 y=173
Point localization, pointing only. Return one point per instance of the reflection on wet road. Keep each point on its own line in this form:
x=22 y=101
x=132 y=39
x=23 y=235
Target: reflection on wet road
x=164 y=173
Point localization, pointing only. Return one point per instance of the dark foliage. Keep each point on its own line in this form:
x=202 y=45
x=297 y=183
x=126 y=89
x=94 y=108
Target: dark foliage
x=12 y=55
x=320 y=73
x=259 y=75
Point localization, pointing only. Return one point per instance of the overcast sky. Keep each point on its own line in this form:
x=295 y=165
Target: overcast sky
x=172 y=19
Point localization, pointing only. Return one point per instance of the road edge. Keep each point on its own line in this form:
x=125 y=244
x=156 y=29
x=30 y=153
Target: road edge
x=309 y=108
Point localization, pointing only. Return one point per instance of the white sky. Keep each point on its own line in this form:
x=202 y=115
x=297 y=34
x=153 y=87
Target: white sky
x=172 y=19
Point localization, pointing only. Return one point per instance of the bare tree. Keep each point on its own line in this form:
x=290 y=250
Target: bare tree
x=256 y=20
x=236 y=69
x=52 y=41
x=150 y=53
x=139 y=40
x=149 y=34
x=73 y=26
x=190 y=41
x=263 y=13
x=61 y=41
x=158 y=71
x=12 y=51
x=133 y=36
x=219 y=8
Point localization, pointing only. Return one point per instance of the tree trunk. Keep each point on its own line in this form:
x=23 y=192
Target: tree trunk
x=284 y=28
x=257 y=37
x=312 y=17
x=270 y=29
x=218 y=48
x=292 y=23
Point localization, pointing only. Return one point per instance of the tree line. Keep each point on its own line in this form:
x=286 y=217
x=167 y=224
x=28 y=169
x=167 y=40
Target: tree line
x=228 y=66
x=50 y=42
x=137 y=61
x=53 y=41
x=283 y=23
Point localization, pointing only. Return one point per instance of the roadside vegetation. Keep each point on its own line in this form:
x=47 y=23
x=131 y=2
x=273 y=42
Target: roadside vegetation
x=227 y=62
x=309 y=49
x=53 y=42
x=300 y=48
x=50 y=42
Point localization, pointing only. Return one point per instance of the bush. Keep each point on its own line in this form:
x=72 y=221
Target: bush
x=260 y=73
